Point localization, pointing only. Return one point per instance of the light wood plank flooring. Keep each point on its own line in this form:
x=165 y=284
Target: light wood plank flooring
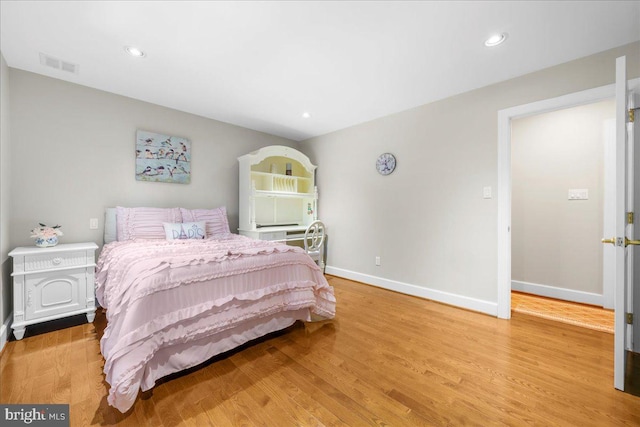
x=387 y=359
x=586 y=316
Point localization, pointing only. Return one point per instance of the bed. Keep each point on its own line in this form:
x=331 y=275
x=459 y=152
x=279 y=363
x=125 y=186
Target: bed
x=173 y=303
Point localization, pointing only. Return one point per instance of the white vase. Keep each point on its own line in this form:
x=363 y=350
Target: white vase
x=45 y=242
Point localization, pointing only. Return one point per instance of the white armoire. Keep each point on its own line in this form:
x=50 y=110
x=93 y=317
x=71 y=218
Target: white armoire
x=278 y=196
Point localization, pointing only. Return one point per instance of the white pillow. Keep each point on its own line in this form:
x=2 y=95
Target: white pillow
x=110 y=230
x=184 y=230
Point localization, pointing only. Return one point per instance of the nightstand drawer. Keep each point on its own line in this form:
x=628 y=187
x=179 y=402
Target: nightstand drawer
x=50 y=261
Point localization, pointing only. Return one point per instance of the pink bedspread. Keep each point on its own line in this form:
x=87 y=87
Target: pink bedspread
x=172 y=305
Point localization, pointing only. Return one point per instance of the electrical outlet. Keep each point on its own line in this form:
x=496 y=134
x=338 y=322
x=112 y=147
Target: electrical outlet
x=377 y=260
x=93 y=223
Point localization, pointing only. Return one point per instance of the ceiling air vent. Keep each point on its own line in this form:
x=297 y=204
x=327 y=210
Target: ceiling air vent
x=58 y=64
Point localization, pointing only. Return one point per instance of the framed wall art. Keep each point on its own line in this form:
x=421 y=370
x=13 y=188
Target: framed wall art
x=162 y=158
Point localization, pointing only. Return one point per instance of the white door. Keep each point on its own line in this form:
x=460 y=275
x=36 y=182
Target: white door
x=623 y=239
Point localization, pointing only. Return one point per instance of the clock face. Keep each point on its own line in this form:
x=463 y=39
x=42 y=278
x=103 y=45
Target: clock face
x=386 y=163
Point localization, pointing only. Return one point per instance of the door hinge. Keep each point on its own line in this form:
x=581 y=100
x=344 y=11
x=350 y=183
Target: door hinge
x=629 y=217
x=629 y=318
x=632 y=115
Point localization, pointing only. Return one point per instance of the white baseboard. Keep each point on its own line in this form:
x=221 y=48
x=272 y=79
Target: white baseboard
x=558 y=293
x=486 y=307
x=4 y=331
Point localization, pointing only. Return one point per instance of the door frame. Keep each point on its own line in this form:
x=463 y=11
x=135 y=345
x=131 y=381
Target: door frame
x=504 y=173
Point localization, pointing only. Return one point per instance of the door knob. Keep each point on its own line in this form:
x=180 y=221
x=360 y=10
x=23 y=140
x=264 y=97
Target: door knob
x=628 y=242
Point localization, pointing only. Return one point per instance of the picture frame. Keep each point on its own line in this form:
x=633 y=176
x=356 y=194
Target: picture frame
x=162 y=158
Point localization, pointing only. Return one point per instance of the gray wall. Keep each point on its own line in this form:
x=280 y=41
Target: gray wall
x=5 y=186
x=555 y=241
x=428 y=220
x=72 y=154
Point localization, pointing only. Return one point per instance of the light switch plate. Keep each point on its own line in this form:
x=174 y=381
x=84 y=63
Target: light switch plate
x=93 y=223
x=578 y=194
x=486 y=192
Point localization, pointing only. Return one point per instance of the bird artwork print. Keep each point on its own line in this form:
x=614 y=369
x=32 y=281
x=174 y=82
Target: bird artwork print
x=162 y=158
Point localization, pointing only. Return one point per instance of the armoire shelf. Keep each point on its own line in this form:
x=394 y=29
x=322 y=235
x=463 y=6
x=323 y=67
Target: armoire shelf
x=273 y=182
x=273 y=203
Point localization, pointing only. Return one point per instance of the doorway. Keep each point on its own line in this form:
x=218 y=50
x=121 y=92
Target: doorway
x=505 y=118
x=559 y=185
x=504 y=178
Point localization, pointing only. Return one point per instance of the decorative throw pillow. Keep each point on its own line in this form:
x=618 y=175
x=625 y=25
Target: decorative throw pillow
x=184 y=230
x=144 y=223
x=216 y=219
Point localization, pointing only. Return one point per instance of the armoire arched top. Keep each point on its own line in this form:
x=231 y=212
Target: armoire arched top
x=260 y=155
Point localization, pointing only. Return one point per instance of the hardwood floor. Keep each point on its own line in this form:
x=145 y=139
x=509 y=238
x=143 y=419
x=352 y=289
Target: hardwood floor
x=387 y=359
x=586 y=316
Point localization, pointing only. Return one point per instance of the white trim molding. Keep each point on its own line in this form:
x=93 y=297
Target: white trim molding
x=486 y=307
x=558 y=293
x=5 y=331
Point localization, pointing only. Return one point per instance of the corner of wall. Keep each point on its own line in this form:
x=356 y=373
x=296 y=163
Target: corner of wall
x=5 y=194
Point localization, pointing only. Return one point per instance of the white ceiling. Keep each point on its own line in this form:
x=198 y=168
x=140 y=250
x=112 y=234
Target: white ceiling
x=262 y=64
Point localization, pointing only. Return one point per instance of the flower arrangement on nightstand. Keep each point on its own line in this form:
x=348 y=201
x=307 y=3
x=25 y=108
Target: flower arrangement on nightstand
x=45 y=235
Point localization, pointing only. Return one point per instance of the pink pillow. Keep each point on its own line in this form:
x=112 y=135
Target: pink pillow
x=216 y=219
x=144 y=223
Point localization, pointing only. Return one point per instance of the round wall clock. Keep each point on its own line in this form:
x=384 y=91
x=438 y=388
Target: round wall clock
x=386 y=163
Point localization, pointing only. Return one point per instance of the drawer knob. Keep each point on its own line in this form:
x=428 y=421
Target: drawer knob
x=56 y=260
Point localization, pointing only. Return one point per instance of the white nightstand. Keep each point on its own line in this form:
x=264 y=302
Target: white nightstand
x=51 y=283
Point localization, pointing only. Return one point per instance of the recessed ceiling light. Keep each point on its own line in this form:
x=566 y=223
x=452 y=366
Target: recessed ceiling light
x=495 y=39
x=306 y=115
x=134 y=51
